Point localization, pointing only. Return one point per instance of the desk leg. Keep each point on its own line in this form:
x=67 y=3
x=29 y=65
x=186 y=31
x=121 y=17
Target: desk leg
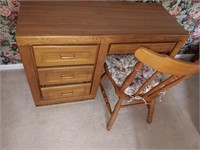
x=103 y=50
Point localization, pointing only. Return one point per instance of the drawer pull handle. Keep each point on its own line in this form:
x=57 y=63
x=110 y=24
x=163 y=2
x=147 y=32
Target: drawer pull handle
x=67 y=57
x=67 y=94
x=67 y=76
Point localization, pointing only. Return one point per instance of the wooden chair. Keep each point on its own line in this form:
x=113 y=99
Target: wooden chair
x=131 y=80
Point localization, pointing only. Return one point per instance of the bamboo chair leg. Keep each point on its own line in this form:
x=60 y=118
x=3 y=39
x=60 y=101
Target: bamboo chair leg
x=114 y=114
x=151 y=108
x=105 y=98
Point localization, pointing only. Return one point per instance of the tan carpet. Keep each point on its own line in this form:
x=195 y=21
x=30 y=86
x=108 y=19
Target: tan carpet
x=82 y=125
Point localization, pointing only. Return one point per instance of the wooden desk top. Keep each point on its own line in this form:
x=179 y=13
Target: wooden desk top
x=95 y=18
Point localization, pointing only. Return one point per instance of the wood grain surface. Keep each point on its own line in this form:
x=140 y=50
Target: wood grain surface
x=94 y=18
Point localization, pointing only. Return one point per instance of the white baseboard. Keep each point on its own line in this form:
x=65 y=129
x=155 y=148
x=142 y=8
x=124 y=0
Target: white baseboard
x=11 y=67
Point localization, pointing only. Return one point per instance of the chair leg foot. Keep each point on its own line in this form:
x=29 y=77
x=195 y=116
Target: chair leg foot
x=149 y=120
x=151 y=108
x=108 y=128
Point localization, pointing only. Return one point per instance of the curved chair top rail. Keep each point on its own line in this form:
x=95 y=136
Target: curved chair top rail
x=165 y=64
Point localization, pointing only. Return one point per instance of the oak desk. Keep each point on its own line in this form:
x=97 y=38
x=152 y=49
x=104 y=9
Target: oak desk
x=63 y=45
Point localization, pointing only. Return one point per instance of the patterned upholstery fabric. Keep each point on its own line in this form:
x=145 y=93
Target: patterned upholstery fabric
x=120 y=66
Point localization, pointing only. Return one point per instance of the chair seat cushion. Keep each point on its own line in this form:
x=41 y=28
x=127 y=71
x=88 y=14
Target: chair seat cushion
x=120 y=66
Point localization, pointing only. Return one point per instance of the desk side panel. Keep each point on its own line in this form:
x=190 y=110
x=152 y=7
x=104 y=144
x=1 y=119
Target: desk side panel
x=29 y=66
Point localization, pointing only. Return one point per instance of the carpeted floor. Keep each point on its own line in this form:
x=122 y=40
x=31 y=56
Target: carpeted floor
x=82 y=125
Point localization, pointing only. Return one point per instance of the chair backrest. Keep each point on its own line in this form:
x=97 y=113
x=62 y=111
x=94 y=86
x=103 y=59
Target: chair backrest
x=177 y=71
x=165 y=63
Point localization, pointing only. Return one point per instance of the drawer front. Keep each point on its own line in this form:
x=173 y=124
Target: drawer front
x=130 y=48
x=63 y=75
x=65 y=55
x=67 y=91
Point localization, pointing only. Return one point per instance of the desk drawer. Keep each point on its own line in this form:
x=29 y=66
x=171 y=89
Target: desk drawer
x=63 y=75
x=65 y=55
x=130 y=48
x=67 y=91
